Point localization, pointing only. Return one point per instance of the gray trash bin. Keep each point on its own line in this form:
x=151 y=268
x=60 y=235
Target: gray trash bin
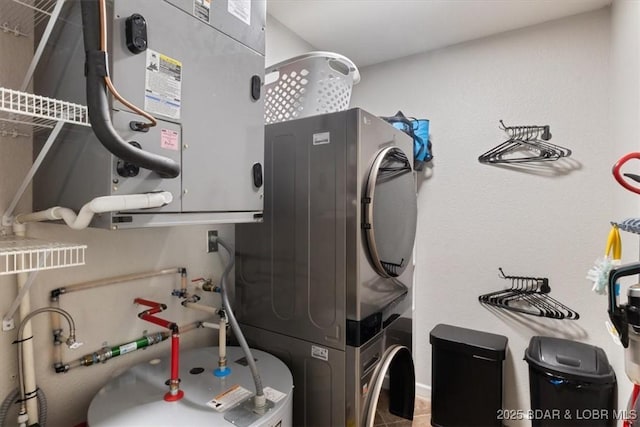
x=571 y=384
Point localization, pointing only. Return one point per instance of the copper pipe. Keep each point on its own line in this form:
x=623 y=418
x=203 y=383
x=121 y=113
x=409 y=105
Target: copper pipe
x=107 y=79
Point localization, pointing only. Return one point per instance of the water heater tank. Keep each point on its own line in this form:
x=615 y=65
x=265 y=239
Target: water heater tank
x=135 y=398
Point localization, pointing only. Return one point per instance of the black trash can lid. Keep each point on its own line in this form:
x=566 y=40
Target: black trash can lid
x=469 y=341
x=569 y=359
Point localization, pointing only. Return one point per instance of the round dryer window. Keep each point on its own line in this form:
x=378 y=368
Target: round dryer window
x=390 y=212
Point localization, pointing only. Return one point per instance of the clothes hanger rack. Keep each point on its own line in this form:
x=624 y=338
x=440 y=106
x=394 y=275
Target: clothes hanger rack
x=525 y=144
x=528 y=295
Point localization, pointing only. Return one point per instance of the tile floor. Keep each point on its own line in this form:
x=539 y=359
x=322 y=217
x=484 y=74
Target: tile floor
x=421 y=414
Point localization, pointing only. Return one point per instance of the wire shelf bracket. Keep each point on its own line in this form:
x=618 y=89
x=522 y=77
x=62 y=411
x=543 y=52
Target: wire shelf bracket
x=19 y=17
x=26 y=255
x=39 y=112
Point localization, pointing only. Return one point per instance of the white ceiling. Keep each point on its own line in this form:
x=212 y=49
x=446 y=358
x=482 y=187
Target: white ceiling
x=373 y=31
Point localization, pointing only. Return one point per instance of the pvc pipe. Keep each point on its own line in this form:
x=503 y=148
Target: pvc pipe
x=98 y=205
x=201 y=307
x=27 y=355
x=24 y=289
x=117 y=279
x=222 y=341
x=222 y=370
x=210 y=325
x=188 y=327
x=27 y=405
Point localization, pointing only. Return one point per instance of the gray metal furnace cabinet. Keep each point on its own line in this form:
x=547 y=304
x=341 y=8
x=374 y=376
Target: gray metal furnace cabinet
x=210 y=124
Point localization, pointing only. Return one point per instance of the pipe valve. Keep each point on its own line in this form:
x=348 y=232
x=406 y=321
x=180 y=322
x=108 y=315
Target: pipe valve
x=72 y=343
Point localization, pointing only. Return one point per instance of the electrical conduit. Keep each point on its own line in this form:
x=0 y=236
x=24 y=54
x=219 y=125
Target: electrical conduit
x=12 y=398
x=259 y=399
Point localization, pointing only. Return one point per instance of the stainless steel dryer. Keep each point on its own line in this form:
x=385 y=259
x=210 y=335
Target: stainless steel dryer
x=331 y=267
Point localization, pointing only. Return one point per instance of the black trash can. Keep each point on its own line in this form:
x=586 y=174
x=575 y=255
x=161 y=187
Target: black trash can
x=571 y=384
x=466 y=372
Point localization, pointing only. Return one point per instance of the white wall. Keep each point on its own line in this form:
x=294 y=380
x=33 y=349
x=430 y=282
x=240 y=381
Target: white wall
x=474 y=218
x=282 y=43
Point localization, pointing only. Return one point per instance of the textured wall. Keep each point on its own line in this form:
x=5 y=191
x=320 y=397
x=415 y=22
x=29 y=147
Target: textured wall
x=473 y=218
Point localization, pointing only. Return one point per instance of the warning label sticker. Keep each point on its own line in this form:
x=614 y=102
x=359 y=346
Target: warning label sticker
x=202 y=9
x=273 y=395
x=169 y=139
x=163 y=85
x=241 y=9
x=229 y=398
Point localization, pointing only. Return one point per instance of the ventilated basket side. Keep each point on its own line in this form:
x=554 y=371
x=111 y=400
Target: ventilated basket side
x=309 y=86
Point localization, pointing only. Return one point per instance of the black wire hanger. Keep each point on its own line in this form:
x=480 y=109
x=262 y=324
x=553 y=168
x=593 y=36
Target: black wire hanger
x=528 y=295
x=525 y=144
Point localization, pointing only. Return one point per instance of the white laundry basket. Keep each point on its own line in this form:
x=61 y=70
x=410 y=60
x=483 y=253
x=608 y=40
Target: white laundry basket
x=307 y=85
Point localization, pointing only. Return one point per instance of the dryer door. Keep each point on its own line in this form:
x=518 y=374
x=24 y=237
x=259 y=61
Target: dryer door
x=390 y=212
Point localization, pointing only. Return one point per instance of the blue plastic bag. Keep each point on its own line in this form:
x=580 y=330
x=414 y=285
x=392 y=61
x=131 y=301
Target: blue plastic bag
x=418 y=129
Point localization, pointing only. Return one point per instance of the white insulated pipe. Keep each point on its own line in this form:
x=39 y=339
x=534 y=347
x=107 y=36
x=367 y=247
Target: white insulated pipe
x=210 y=325
x=202 y=307
x=222 y=340
x=98 y=205
x=28 y=359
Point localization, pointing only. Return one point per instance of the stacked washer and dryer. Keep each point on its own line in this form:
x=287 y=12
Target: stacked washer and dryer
x=325 y=279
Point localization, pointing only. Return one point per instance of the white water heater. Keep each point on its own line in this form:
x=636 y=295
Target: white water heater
x=135 y=398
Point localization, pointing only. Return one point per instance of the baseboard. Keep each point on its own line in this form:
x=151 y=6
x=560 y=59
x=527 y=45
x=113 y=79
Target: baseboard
x=423 y=390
